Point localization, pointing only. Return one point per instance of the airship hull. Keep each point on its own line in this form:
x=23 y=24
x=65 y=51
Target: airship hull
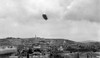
x=45 y=16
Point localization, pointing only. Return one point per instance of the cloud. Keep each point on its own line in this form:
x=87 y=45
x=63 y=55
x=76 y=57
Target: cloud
x=26 y=11
x=67 y=19
x=84 y=10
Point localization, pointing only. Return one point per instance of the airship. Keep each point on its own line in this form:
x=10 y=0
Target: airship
x=44 y=16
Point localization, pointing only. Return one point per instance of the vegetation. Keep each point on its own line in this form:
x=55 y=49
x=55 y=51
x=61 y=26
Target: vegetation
x=55 y=44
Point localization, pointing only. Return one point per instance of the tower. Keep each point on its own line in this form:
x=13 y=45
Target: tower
x=35 y=36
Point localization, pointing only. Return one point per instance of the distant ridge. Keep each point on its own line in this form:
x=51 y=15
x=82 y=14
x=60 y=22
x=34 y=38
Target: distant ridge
x=20 y=41
x=87 y=41
x=53 y=42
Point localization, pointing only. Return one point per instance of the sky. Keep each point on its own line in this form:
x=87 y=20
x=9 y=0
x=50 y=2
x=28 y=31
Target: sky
x=77 y=20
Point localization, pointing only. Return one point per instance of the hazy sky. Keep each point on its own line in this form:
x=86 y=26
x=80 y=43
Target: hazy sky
x=71 y=19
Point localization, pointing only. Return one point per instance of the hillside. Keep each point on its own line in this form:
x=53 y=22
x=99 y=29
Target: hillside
x=65 y=43
x=20 y=41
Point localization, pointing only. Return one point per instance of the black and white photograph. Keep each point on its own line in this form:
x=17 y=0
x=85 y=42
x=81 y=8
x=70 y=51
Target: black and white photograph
x=49 y=28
